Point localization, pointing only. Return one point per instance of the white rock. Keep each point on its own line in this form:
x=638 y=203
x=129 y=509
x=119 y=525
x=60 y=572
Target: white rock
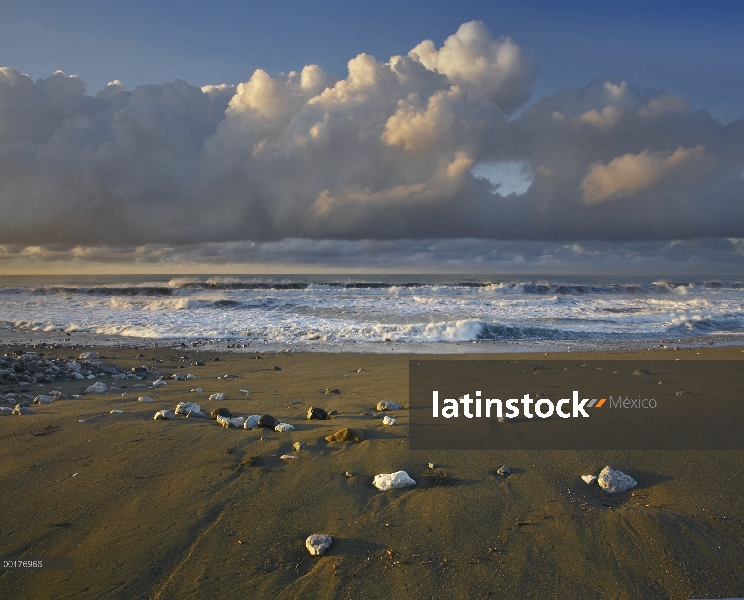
x=165 y=414
x=145 y=399
x=612 y=481
x=244 y=392
x=388 y=405
x=252 y=422
x=231 y=422
x=88 y=356
x=43 y=399
x=196 y=389
x=589 y=479
x=116 y=412
x=184 y=408
x=283 y=427
x=288 y=457
x=91 y=376
x=318 y=543
x=218 y=397
x=159 y=383
x=387 y=481
x=388 y=421
x=97 y=388
x=178 y=376
x=192 y=376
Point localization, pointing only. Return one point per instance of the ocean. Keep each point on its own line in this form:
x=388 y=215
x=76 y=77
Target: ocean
x=378 y=313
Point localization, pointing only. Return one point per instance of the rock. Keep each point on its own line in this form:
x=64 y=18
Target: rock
x=199 y=363
x=60 y=396
x=196 y=390
x=165 y=414
x=43 y=399
x=221 y=412
x=318 y=543
x=96 y=388
x=178 y=377
x=641 y=372
x=88 y=356
x=277 y=368
x=317 y=413
x=77 y=376
x=613 y=482
x=116 y=412
x=217 y=397
x=503 y=471
x=191 y=376
x=432 y=465
x=284 y=427
x=244 y=392
x=216 y=359
x=6 y=409
x=299 y=446
x=288 y=457
x=231 y=422
x=268 y=421
x=388 y=405
x=389 y=421
x=349 y=474
x=332 y=412
x=589 y=479
x=145 y=399
x=387 y=481
x=333 y=391
x=184 y=408
x=159 y=383
x=346 y=435
x=252 y=422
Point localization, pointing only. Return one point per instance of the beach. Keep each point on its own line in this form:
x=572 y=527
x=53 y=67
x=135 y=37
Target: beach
x=189 y=509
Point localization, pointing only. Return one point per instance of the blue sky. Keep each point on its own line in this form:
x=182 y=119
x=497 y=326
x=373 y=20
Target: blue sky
x=693 y=49
x=575 y=142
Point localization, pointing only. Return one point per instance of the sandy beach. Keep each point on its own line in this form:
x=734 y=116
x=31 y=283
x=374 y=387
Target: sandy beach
x=189 y=509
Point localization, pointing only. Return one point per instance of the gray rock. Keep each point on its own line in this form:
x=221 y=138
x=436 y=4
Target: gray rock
x=97 y=388
x=145 y=399
x=613 y=482
x=252 y=422
x=88 y=356
x=184 y=408
x=168 y=415
x=318 y=543
x=22 y=410
x=43 y=399
x=503 y=471
x=231 y=422
x=219 y=397
x=388 y=405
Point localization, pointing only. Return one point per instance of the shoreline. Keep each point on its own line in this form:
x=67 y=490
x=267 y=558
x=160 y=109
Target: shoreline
x=189 y=509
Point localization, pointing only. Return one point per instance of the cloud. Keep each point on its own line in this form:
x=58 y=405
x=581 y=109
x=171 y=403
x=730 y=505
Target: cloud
x=387 y=152
x=628 y=174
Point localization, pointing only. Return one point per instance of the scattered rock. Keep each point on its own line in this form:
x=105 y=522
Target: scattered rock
x=88 y=356
x=613 y=482
x=317 y=413
x=6 y=409
x=43 y=399
x=196 y=390
x=268 y=421
x=277 y=368
x=165 y=414
x=432 y=466
x=230 y=422
x=284 y=427
x=332 y=391
x=219 y=397
x=332 y=412
x=191 y=376
x=252 y=422
x=145 y=399
x=22 y=410
x=318 y=543
x=221 y=412
x=299 y=446
x=186 y=408
x=97 y=388
x=349 y=474
x=389 y=421
x=116 y=412
x=159 y=383
x=589 y=479
x=346 y=435
x=388 y=405
x=178 y=377
x=641 y=372
x=680 y=393
x=216 y=359
x=288 y=457
x=387 y=481
x=503 y=471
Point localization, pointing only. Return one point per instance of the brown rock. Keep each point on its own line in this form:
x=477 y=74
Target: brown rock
x=346 y=435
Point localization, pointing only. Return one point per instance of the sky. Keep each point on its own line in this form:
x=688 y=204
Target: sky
x=420 y=136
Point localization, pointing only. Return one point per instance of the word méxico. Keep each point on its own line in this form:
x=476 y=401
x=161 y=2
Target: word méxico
x=543 y=407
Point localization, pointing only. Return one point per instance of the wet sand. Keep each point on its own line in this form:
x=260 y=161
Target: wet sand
x=189 y=509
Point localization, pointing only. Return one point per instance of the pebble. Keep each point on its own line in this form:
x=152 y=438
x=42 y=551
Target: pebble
x=589 y=479
x=432 y=465
x=221 y=412
x=165 y=414
x=299 y=446
x=159 y=383
x=97 y=388
x=88 y=356
x=641 y=372
x=349 y=474
x=116 y=412
x=387 y=481
x=332 y=391
x=389 y=421
x=196 y=389
x=317 y=413
x=503 y=471
x=284 y=427
x=252 y=422
x=318 y=543
x=145 y=399
x=277 y=368
x=244 y=392
x=388 y=405
x=219 y=397
x=346 y=435
x=288 y=457
x=613 y=482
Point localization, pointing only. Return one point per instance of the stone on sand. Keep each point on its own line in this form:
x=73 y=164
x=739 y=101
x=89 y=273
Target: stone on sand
x=43 y=399
x=168 y=415
x=252 y=422
x=268 y=421
x=218 y=397
x=318 y=543
x=284 y=427
x=97 y=388
x=88 y=356
x=389 y=421
x=316 y=413
x=22 y=410
x=346 y=435
x=589 y=479
x=299 y=446
x=388 y=481
x=231 y=422
x=613 y=482
x=184 y=408
x=641 y=372
x=387 y=405
x=504 y=471
x=221 y=412
x=145 y=399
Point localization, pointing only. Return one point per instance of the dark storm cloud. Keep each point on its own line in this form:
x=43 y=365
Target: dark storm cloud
x=385 y=154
